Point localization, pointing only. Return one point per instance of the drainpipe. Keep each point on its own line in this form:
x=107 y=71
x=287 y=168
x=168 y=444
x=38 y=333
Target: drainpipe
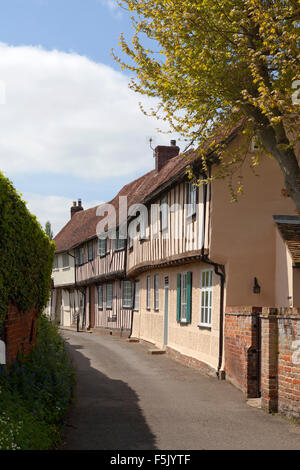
x=220 y=271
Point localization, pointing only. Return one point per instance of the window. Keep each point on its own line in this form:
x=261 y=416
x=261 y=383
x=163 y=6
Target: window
x=65 y=260
x=184 y=291
x=80 y=256
x=156 y=292
x=100 y=297
x=254 y=145
x=137 y=296
x=55 y=262
x=191 y=199
x=127 y=294
x=90 y=251
x=148 y=306
x=109 y=296
x=130 y=242
x=102 y=246
x=206 y=297
x=120 y=243
x=164 y=215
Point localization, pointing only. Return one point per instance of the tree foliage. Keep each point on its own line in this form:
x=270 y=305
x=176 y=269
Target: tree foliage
x=26 y=254
x=214 y=63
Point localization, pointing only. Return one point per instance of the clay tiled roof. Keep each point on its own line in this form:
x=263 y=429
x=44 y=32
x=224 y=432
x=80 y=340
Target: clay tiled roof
x=289 y=227
x=82 y=226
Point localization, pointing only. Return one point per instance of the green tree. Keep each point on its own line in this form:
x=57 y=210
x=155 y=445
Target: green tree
x=217 y=63
x=48 y=230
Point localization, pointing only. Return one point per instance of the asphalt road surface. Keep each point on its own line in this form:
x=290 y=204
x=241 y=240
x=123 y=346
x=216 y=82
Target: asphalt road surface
x=126 y=399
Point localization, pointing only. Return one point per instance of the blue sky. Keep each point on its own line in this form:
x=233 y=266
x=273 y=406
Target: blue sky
x=69 y=127
x=89 y=27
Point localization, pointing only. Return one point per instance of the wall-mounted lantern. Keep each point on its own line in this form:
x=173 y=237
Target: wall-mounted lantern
x=256 y=287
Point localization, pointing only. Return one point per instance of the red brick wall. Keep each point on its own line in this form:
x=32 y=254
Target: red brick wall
x=286 y=361
x=279 y=369
x=19 y=331
x=269 y=360
x=241 y=344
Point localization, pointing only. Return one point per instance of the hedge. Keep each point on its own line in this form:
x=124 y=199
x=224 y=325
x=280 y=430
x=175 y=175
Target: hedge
x=26 y=254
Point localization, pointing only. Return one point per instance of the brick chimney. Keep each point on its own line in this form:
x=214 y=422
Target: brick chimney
x=76 y=208
x=163 y=153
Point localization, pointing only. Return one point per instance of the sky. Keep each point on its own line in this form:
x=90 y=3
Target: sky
x=70 y=127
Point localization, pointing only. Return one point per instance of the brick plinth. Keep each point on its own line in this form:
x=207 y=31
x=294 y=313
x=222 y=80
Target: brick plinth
x=191 y=362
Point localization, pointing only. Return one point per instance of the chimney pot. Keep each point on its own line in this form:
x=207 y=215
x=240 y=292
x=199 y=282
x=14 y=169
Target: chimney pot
x=76 y=208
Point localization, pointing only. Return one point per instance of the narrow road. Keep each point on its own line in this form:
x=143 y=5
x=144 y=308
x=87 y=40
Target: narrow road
x=126 y=399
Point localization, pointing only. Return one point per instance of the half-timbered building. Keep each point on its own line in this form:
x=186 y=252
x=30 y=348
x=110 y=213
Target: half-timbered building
x=187 y=254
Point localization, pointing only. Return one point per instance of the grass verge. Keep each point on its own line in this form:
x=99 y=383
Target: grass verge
x=35 y=393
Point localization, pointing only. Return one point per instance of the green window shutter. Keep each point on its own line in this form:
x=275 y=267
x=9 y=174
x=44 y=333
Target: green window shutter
x=178 y=297
x=189 y=297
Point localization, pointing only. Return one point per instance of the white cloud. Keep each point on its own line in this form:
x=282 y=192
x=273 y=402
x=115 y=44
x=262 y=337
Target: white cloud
x=65 y=114
x=56 y=209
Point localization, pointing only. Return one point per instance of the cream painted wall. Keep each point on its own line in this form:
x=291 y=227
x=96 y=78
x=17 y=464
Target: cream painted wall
x=66 y=309
x=188 y=339
x=242 y=234
x=64 y=276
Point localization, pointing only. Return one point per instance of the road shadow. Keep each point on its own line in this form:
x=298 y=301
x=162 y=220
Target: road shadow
x=105 y=414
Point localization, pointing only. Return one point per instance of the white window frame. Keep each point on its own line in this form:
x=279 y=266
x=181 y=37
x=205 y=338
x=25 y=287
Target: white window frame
x=206 y=296
x=100 y=302
x=127 y=299
x=191 y=199
x=109 y=298
x=148 y=299
x=183 y=297
x=156 y=292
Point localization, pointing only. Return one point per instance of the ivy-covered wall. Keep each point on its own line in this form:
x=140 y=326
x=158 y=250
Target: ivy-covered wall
x=26 y=254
